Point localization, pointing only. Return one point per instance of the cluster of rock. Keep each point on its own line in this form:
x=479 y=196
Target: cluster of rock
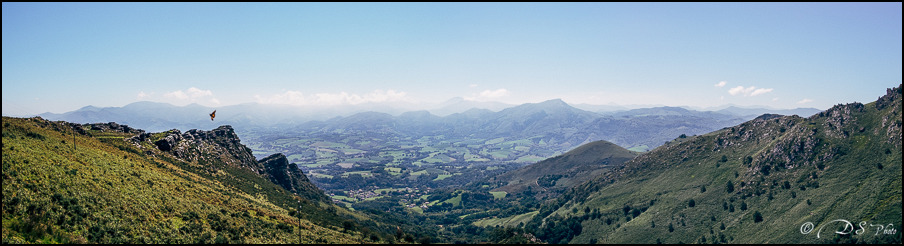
x=198 y=145
x=223 y=145
x=112 y=127
x=892 y=121
x=891 y=96
x=281 y=172
x=840 y=118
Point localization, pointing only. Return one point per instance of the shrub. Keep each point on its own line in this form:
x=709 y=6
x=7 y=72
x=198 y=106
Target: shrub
x=757 y=217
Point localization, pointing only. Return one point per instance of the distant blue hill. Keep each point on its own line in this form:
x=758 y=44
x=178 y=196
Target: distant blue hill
x=638 y=129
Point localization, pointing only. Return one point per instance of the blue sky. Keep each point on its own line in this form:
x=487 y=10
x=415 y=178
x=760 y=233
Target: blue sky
x=59 y=57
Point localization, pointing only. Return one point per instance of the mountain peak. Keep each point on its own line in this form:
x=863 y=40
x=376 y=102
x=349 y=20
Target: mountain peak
x=89 y=108
x=557 y=102
x=576 y=166
x=553 y=104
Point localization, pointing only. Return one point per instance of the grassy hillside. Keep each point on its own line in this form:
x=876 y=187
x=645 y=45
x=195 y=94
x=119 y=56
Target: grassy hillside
x=66 y=184
x=763 y=181
x=553 y=175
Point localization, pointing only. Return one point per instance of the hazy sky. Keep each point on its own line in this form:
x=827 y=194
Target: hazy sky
x=58 y=57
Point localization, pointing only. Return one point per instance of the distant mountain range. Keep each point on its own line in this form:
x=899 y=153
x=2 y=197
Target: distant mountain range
x=157 y=116
x=635 y=129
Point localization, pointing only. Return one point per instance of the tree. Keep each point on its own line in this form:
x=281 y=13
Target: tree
x=729 y=187
x=743 y=206
x=702 y=189
x=757 y=217
x=691 y=203
x=765 y=170
x=425 y=240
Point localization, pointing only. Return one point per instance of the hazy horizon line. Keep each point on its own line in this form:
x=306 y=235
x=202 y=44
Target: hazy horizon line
x=435 y=106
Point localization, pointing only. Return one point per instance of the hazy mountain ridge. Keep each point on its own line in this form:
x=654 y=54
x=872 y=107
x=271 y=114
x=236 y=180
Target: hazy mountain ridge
x=158 y=116
x=780 y=172
x=552 y=119
x=650 y=127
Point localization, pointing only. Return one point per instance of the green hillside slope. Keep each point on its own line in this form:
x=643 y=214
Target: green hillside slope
x=70 y=183
x=774 y=179
x=549 y=177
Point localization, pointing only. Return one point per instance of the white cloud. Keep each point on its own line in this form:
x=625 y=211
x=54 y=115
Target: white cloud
x=806 y=100
x=472 y=85
x=142 y=95
x=748 y=91
x=341 y=98
x=760 y=91
x=176 y=94
x=737 y=90
x=488 y=95
x=191 y=95
x=720 y=84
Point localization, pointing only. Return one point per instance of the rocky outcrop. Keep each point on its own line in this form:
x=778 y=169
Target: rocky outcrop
x=891 y=96
x=211 y=149
x=278 y=169
x=112 y=127
x=169 y=142
x=198 y=146
x=891 y=123
x=840 y=118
